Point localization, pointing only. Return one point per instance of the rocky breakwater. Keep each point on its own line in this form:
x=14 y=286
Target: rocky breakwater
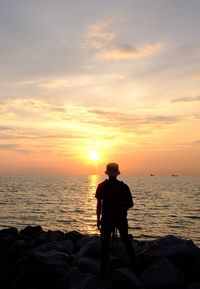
x=36 y=259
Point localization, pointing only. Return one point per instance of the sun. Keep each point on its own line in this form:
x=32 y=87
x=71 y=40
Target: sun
x=93 y=156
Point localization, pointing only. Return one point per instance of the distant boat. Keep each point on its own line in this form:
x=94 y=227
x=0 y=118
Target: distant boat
x=174 y=175
x=152 y=175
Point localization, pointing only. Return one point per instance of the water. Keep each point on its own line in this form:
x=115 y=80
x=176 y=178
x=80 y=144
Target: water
x=163 y=205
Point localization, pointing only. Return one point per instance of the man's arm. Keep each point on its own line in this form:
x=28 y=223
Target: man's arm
x=98 y=214
x=129 y=198
x=98 y=210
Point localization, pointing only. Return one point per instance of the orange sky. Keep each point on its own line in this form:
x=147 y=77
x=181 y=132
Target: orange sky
x=119 y=78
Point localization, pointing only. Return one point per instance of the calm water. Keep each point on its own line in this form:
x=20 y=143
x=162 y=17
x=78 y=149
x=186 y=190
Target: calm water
x=163 y=205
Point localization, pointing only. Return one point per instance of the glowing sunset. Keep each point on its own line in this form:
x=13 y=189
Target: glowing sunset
x=88 y=82
x=99 y=144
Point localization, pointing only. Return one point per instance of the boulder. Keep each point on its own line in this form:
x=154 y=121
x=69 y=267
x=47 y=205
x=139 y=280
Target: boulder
x=125 y=278
x=35 y=276
x=90 y=249
x=55 y=259
x=31 y=231
x=182 y=253
x=46 y=237
x=84 y=241
x=92 y=281
x=15 y=250
x=162 y=274
x=88 y=265
x=9 y=232
x=118 y=249
x=67 y=246
x=37 y=259
x=74 y=236
x=72 y=279
x=193 y=285
x=169 y=247
x=62 y=246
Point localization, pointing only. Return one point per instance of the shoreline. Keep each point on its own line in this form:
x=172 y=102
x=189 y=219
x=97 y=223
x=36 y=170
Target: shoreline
x=34 y=258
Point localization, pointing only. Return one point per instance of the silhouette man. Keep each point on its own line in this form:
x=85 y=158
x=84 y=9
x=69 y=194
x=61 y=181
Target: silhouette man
x=113 y=201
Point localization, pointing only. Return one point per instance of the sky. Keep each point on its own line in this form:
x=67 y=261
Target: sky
x=118 y=79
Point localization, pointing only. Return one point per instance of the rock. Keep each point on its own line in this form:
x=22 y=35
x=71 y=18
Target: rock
x=55 y=259
x=92 y=281
x=194 y=285
x=182 y=253
x=31 y=231
x=15 y=249
x=35 y=276
x=72 y=279
x=46 y=237
x=162 y=274
x=125 y=278
x=67 y=246
x=170 y=246
x=88 y=265
x=37 y=259
x=74 y=236
x=118 y=250
x=9 y=232
x=117 y=262
x=84 y=241
x=52 y=245
x=5 y=242
x=91 y=249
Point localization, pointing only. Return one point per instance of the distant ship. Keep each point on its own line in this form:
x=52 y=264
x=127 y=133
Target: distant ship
x=174 y=175
x=152 y=175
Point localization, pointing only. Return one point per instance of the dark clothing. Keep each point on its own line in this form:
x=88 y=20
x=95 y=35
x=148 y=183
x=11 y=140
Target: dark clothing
x=116 y=199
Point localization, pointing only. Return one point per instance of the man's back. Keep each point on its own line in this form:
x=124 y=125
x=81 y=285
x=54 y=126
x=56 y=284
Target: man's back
x=115 y=198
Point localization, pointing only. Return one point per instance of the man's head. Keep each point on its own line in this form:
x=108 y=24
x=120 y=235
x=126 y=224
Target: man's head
x=112 y=170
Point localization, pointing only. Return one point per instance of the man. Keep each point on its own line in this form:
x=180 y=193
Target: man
x=113 y=201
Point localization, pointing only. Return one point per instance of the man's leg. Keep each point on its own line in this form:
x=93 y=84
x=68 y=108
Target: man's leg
x=123 y=230
x=105 y=242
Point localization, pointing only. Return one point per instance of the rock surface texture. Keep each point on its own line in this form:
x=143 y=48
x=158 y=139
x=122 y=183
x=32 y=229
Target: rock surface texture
x=35 y=259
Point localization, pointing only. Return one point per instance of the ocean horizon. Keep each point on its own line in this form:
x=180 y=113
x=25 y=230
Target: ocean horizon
x=163 y=205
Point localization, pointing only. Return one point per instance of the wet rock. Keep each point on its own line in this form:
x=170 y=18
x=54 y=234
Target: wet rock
x=162 y=274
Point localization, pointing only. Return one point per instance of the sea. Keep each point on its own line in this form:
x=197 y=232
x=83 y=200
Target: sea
x=163 y=206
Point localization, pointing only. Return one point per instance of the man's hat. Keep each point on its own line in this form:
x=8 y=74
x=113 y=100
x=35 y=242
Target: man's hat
x=112 y=169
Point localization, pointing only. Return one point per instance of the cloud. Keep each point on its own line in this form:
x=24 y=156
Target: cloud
x=99 y=34
x=186 y=99
x=196 y=76
x=129 y=52
x=132 y=122
x=102 y=37
x=196 y=142
x=14 y=147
